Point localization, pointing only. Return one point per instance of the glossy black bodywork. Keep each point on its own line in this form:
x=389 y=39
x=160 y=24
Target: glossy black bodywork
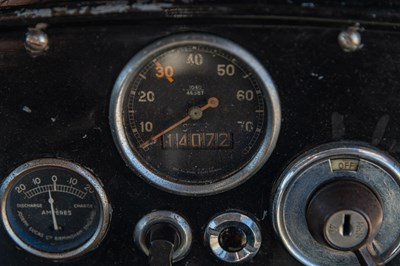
x=326 y=94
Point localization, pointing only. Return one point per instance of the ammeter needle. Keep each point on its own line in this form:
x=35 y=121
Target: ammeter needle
x=211 y=103
x=53 y=214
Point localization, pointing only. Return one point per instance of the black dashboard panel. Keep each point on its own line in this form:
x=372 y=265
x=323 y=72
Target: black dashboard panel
x=57 y=104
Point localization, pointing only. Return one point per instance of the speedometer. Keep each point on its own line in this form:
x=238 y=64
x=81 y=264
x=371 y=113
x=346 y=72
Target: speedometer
x=195 y=114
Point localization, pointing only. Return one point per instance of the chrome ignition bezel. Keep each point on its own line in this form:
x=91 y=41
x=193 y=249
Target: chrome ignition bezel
x=311 y=170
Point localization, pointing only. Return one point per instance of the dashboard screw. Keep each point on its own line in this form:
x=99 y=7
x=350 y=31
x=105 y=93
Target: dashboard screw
x=36 y=40
x=350 y=39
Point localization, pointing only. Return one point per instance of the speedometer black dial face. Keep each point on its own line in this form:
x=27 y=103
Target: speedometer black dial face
x=195 y=114
x=200 y=123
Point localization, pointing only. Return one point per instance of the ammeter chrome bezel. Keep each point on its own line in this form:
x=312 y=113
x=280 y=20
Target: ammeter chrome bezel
x=132 y=69
x=105 y=207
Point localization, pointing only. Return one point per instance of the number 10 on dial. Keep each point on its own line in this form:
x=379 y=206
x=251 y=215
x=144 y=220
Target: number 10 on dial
x=195 y=114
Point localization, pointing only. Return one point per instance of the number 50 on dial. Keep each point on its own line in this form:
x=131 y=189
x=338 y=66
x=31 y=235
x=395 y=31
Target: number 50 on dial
x=195 y=114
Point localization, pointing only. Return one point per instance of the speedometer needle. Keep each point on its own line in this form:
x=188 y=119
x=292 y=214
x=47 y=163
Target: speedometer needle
x=53 y=214
x=212 y=102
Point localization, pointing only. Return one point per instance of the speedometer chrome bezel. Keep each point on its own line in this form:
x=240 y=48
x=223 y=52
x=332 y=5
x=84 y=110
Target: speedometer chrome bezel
x=105 y=207
x=133 y=68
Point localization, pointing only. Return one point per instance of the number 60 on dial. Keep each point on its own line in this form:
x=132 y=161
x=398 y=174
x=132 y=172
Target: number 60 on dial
x=195 y=114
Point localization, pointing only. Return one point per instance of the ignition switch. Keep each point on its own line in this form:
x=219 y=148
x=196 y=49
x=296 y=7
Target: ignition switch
x=346 y=215
x=334 y=201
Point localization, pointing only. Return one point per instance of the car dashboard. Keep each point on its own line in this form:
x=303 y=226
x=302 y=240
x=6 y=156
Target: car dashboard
x=199 y=133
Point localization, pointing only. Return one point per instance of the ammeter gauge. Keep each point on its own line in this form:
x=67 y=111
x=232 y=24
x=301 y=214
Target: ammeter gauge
x=54 y=208
x=195 y=114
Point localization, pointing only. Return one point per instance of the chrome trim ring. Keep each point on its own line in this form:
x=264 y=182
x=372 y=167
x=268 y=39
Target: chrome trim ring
x=105 y=207
x=121 y=139
x=298 y=182
x=177 y=221
x=233 y=219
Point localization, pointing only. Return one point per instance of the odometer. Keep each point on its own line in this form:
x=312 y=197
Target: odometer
x=195 y=114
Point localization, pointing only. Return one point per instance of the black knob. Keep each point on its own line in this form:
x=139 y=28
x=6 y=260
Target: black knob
x=163 y=239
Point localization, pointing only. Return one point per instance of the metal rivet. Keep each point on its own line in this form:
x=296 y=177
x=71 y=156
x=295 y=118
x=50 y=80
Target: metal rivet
x=36 y=40
x=350 y=39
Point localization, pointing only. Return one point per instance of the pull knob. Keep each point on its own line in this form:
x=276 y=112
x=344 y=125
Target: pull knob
x=164 y=236
x=346 y=215
x=163 y=239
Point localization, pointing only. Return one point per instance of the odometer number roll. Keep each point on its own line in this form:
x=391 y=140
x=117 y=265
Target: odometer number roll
x=195 y=114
